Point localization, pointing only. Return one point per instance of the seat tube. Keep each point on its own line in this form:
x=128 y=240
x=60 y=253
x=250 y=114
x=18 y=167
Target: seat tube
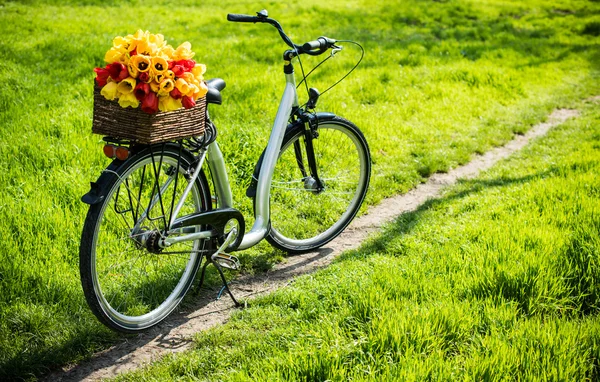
x=261 y=207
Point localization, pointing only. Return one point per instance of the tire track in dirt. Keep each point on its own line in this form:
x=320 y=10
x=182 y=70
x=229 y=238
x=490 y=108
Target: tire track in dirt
x=175 y=334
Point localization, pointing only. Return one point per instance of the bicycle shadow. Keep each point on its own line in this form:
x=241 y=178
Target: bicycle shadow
x=199 y=311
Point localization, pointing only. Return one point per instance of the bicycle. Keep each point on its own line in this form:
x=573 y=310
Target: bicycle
x=153 y=217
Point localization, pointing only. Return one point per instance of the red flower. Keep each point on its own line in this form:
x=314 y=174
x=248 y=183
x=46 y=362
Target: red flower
x=171 y=64
x=141 y=90
x=188 y=102
x=101 y=76
x=133 y=52
x=178 y=70
x=117 y=71
x=150 y=103
x=144 y=76
x=175 y=93
x=188 y=65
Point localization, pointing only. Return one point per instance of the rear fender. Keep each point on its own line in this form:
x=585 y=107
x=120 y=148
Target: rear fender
x=101 y=186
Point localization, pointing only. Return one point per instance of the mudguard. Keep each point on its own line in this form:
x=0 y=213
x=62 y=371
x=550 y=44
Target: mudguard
x=313 y=118
x=99 y=188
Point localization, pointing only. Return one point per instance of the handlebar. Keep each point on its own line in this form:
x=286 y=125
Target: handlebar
x=313 y=48
x=243 y=18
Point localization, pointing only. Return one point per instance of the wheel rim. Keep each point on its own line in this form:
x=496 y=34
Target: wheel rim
x=301 y=217
x=135 y=287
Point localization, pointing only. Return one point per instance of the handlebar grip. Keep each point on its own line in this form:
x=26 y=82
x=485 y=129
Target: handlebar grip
x=318 y=44
x=322 y=43
x=243 y=18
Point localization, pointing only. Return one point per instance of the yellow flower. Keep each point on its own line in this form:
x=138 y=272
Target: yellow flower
x=198 y=71
x=127 y=85
x=168 y=103
x=166 y=52
x=142 y=63
x=183 y=52
x=154 y=86
x=135 y=39
x=170 y=74
x=183 y=86
x=193 y=89
x=189 y=78
x=202 y=90
x=139 y=35
x=133 y=71
x=166 y=86
x=115 y=55
x=122 y=43
x=157 y=39
x=146 y=48
x=159 y=78
x=159 y=66
x=109 y=91
x=128 y=99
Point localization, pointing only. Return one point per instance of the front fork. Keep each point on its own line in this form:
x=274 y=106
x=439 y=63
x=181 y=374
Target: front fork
x=312 y=182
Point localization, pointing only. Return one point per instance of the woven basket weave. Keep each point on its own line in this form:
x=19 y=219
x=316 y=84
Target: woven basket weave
x=112 y=120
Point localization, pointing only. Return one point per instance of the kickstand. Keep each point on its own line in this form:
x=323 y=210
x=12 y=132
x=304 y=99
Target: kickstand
x=229 y=261
x=225 y=285
x=208 y=261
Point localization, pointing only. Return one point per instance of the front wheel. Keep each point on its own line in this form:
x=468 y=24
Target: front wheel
x=308 y=210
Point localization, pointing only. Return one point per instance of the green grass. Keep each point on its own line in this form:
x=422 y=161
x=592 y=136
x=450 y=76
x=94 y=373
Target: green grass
x=498 y=279
x=440 y=82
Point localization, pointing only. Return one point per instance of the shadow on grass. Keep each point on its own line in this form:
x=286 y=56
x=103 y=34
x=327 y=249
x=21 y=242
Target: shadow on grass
x=406 y=222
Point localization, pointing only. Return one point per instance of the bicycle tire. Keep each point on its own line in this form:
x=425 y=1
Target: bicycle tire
x=301 y=218
x=127 y=286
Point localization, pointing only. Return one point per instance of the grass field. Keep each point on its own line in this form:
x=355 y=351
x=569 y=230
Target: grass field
x=498 y=279
x=441 y=81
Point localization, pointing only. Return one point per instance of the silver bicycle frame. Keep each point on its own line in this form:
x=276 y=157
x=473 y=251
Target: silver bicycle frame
x=218 y=171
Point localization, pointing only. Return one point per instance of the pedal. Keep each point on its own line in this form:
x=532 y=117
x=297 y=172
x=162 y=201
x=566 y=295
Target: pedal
x=226 y=260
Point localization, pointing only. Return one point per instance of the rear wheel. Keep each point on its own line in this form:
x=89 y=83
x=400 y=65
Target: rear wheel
x=129 y=281
x=304 y=216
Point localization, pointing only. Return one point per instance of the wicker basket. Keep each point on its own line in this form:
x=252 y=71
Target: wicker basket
x=112 y=120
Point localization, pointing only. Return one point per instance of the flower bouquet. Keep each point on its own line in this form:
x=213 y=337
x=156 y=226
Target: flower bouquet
x=149 y=91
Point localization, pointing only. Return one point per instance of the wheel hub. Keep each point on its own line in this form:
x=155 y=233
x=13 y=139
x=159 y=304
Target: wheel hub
x=310 y=184
x=149 y=240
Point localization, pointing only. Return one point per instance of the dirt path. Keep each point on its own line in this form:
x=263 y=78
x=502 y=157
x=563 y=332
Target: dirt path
x=175 y=334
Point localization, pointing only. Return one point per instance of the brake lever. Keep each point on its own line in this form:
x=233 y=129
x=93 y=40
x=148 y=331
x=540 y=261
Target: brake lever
x=335 y=49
